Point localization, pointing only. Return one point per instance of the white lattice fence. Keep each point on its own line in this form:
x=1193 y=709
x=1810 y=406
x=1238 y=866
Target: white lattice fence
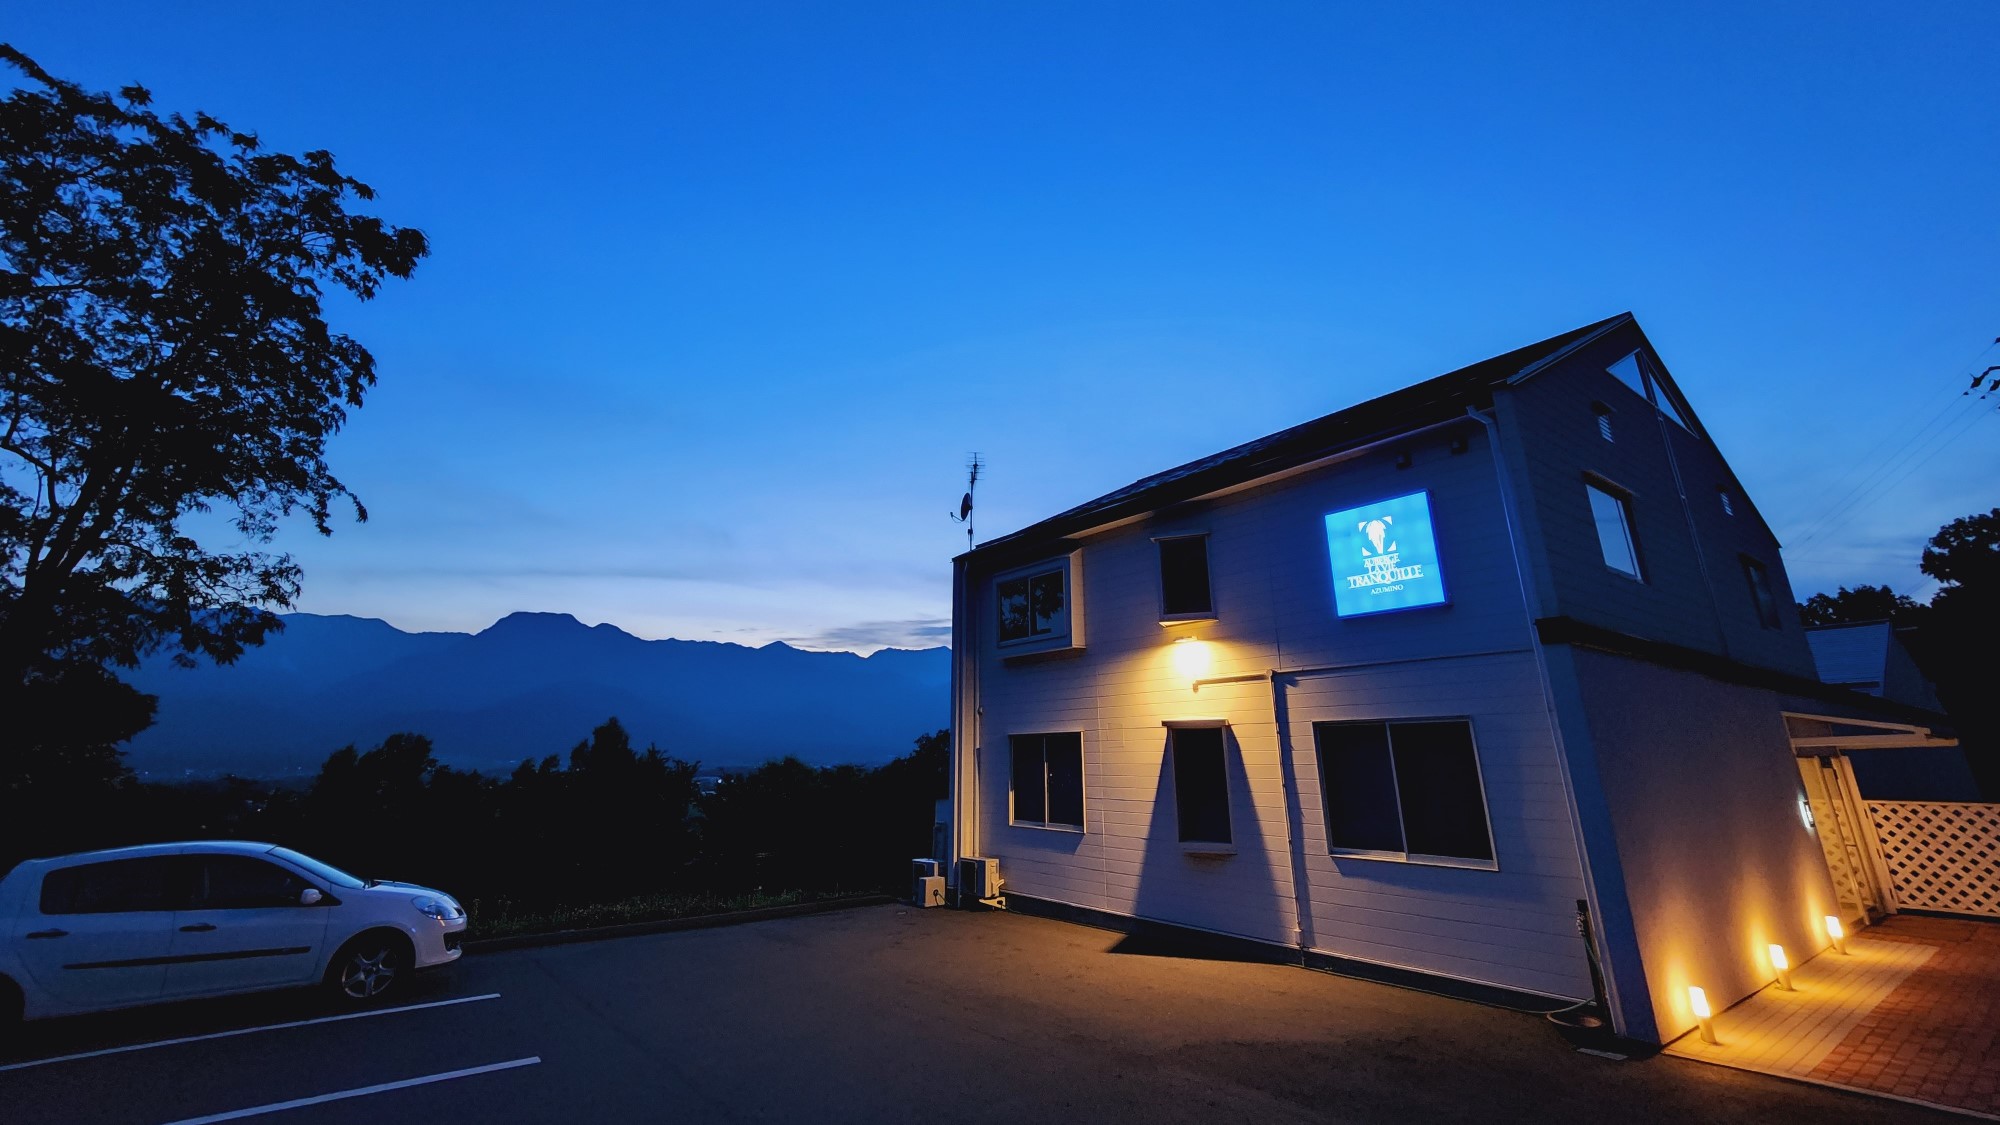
x=1942 y=855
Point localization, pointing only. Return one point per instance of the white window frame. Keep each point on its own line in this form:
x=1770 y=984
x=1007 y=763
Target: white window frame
x=1082 y=783
x=1207 y=561
x=1203 y=847
x=1623 y=497
x=1418 y=858
x=1071 y=567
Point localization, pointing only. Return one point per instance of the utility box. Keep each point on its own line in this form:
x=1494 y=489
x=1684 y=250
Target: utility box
x=978 y=879
x=929 y=891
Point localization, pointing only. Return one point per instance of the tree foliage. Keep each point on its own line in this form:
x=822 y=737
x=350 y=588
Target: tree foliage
x=1862 y=603
x=163 y=354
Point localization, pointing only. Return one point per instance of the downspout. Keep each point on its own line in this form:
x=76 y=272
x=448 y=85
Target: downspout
x=1694 y=534
x=1530 y=605
x=964 y=835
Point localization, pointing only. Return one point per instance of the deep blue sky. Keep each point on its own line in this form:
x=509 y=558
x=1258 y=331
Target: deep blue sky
x=723 y=293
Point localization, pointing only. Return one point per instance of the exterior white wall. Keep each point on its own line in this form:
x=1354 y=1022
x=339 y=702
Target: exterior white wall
x=1273 y=591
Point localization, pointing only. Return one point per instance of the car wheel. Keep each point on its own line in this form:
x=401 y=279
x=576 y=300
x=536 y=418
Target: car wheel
x=370 y=967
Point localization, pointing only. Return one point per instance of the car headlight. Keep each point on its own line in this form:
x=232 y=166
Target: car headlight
x=442 y=909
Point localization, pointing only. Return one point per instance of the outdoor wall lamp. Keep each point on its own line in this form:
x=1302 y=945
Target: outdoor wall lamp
x=1783 y=965
x=1838 y=933
x=1703 y=1018
x=1192 y=658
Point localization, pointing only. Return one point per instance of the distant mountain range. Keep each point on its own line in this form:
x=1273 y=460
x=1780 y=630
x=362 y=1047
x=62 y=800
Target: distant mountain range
x=531 y=685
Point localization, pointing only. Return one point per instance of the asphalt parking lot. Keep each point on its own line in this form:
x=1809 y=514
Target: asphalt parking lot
x=879 y=1014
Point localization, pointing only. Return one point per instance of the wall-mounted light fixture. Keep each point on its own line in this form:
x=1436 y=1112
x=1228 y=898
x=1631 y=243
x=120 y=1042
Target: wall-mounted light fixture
x=1838 y=933
x=1192 y=658
x=1783 y=966
x=1703 y=1018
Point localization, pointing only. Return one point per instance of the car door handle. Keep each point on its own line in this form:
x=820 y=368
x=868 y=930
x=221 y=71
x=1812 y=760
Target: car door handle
x=49 y=933
x=197 y=928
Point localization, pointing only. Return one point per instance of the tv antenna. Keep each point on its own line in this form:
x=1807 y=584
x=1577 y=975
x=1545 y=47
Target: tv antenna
x=972 y=466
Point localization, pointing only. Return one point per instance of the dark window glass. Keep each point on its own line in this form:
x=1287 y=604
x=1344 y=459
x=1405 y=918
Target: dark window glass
x=1403 y=787
x=1033 y=605
x=116 y=887
x=1437 y=779
x=1201 y=788
x=1184 y=575
x=1048 y=778
x=1761 y=595
x=1358 y=786
x=1065 y=765
x=239 y=882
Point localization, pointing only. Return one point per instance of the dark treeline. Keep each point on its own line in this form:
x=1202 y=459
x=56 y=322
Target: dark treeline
x=607 y=822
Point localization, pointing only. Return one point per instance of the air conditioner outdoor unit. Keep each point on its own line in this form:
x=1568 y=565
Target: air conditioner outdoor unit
x=920 y=870
x=978 y=879
x=929 y=891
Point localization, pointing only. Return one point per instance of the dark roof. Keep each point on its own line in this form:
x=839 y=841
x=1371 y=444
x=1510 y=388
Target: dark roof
x=1420 y=404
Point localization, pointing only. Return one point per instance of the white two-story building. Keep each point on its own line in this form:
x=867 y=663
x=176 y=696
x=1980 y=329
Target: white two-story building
x=1402 y=690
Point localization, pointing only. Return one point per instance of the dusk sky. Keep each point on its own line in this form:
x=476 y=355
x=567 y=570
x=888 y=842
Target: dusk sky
x=721 y=295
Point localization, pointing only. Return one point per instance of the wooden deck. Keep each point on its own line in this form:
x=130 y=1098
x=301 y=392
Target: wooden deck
x=1791 y=1033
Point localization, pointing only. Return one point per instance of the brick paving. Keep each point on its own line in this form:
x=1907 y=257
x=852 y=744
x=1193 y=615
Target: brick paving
x=1936 y=1037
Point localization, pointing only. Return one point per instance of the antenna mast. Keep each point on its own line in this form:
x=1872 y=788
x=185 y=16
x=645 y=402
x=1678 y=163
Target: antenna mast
x=972 y=466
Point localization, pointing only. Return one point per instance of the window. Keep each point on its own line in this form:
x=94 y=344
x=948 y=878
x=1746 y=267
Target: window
x=1184 y=577
x=1408 y=789
x=240 y=882
x=1201 y=784
x=1603 y=413
x=118 y=887
x=1728 y=507
x=1613 y=516
x=1048 y=780
x=1637 y=373
x=1037 y=605
x=1760 y=593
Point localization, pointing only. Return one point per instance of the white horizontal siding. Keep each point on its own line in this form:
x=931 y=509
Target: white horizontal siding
x=1273 y=590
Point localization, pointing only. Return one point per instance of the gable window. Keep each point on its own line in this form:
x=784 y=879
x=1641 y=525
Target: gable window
x=1184 y=589
x=1201 y=784
x=1403 y=790
x=1048 y=780
x=1034 y=605
x=1612 y=513
x=1637 y=373
x=1760 y=593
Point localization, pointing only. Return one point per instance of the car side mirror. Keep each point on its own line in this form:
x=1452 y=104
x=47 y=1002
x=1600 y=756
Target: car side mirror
x=310 y=897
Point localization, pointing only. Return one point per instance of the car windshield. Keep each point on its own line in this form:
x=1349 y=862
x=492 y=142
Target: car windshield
x=325 y=871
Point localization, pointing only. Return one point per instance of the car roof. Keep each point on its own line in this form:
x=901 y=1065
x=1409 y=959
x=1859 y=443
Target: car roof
x=140 y=851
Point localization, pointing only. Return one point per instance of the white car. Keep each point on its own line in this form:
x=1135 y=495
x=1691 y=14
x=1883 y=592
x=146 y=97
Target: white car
x=129 y=926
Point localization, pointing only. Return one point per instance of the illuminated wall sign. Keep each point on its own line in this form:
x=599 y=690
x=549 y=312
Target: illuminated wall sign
x=1384 y=556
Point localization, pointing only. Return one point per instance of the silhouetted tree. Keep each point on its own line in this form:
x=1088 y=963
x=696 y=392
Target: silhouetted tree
x=1862 y=603
x=1955 y=647
x=162 y=354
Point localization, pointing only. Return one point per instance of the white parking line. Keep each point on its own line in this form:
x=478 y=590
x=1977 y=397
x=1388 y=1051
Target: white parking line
x=247 y=1031
x=360 y=1092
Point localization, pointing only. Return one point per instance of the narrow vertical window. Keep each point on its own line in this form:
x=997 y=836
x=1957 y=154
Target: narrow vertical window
x=1613 y=515
x=1047 y=789
x=1201 y=784
x=1760 y=593
x=1184 y=589
x=1603 y=413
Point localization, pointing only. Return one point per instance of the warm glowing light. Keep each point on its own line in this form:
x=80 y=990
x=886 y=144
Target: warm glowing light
x=1192 y=658
x=1783 y=965
x=1698 y=1000
x=1703 y=1018
x=1837 y=932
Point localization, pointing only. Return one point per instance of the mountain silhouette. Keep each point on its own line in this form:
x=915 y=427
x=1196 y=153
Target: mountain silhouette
x=530 y=685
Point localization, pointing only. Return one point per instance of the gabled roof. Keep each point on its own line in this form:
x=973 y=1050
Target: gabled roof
x=1433 y=400
x=1851 y=655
